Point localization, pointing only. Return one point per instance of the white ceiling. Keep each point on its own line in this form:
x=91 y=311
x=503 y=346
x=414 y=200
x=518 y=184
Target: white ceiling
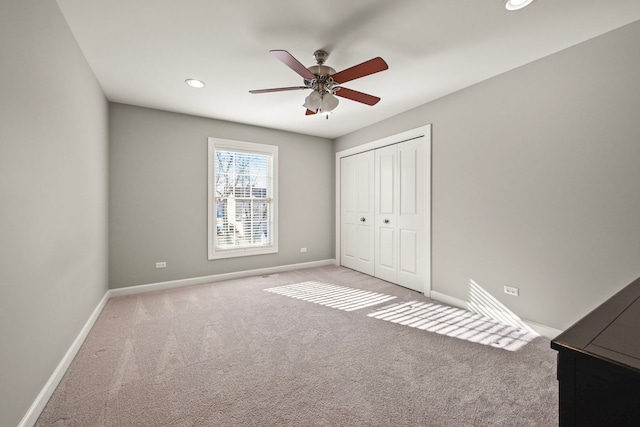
x=141 y=51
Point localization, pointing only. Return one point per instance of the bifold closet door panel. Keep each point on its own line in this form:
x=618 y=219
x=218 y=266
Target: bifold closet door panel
x=412 y=215
x=399 y=213
x=386 y=205
x=356 y=212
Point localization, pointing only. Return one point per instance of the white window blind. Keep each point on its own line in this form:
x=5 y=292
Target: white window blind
x=242 y=198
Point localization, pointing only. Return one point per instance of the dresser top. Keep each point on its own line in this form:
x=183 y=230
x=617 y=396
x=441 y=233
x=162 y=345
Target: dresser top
x=611 y=331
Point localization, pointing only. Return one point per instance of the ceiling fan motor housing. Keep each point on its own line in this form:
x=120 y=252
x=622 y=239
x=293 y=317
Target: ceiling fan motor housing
x=323 y=82
x=321 y=70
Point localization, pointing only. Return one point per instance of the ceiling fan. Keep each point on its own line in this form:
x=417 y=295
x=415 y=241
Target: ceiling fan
x=325 y=82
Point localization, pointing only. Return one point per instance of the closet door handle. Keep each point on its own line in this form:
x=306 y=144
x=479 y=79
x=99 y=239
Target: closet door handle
x=363 y=219
x=386 y=221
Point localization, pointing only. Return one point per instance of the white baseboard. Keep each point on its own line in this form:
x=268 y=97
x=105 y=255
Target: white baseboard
x=545 y=331
x=160 y=286
x=43 y=397
x=449 y=300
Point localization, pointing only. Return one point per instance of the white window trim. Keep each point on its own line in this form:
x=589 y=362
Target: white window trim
x=249 y=147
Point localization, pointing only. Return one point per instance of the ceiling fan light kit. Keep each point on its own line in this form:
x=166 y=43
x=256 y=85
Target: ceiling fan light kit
x=323 y=103
x=325 y=82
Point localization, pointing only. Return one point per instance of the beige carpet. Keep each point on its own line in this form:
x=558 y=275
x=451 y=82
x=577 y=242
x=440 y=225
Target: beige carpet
x=234 y=354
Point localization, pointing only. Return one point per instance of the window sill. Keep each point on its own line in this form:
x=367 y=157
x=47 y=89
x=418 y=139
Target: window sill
x=241 y=252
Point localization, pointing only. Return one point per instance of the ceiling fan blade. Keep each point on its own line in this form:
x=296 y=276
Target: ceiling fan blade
x=309 y=112
x=354 y=95
x=371 y=66
x=293 y=63
x=278 y=89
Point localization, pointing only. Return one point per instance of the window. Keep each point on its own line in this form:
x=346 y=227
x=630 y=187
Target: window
x=243 y=186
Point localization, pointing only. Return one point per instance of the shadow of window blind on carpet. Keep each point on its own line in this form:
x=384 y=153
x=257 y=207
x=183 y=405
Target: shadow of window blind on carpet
x=427 y=316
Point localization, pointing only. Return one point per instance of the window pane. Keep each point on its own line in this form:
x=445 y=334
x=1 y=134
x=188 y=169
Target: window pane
x=260 y=210
x=260 y=232
x=259 y=190
x=225 y=229
x=243 y=163
x=221 y=210
x=224 y=176
x=226 y=235
x=242 y=189
x=261 y=222
x=221 y=217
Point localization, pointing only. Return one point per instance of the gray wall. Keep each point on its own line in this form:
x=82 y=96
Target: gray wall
x=53 y=198
x=158 y=196
x=536 y=180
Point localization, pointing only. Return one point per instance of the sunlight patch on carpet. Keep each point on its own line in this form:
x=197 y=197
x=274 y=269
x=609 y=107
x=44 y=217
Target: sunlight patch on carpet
x=455 y=322
x=340 y=297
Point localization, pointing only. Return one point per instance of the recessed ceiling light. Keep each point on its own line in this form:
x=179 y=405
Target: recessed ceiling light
x=195 y=83
x=517 y=4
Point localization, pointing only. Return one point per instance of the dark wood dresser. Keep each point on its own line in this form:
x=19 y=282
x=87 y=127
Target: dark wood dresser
x=599 y=364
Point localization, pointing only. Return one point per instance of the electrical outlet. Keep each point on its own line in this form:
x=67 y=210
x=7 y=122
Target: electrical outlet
x=303 y=249
x=161 y=264
x=510 y=290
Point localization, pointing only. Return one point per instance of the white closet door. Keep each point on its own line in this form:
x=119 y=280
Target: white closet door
x=412 y=214
x=356 y=216
x=386 y=206
x=400 y=217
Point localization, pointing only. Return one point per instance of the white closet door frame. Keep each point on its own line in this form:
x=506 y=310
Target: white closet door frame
x=423 y=131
